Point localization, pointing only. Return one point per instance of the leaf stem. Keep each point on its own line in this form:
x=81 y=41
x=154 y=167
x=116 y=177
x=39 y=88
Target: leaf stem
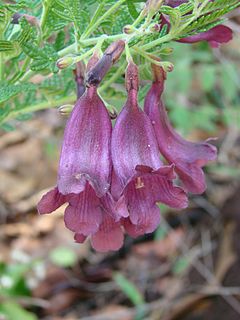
x=102 y=18
x=39 y=106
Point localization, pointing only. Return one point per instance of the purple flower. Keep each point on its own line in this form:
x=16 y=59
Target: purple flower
x=215 y=36
x=85 y=154
x=188 y=157
x=85 y=167
x=140 y=179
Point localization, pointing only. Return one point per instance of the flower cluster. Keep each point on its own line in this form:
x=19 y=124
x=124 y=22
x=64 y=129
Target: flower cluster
x=113 y=178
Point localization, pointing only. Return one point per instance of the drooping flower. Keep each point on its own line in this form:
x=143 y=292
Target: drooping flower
x=140 y=179
x=85 y=165
x=214 y=36
x=188 y=157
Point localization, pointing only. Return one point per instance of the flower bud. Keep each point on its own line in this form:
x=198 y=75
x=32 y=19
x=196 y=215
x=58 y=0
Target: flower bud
x=65 y=110
x=65 y=62
x=128 y=29
x=110 y=56
x=167 y=66
x=30 y=19
x=166 y=51
x=112 y=111
x=155 y=28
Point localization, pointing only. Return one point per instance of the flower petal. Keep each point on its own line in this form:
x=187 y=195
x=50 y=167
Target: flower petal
x=136 y=230
x=51 y=201
x=188 y=157
x=79 y=238
x=85 y=154
x=143 y=192
x=109 y=236
x=156 y=186
x=84 y=213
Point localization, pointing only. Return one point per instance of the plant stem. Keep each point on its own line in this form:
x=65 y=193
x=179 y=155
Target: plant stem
x=102 y=18
x=44 y=14
x=1 y=67
x=39 y=106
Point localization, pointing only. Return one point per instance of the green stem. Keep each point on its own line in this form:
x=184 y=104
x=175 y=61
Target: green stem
x=21 y=73
x=102 y=18
x=156 y=42
x=1 y=67
x=39 y=106
x=94 y=19
x=44 y=14
x=1 y=60
x=87 y=42
x=139 y=19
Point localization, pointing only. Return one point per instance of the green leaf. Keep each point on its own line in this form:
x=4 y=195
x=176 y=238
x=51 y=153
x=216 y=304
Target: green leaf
x=206 y=19
x=7 y=91
x=28 y=32
x=7 y=46
x=43 y=58
x=132 y=9
x=174 y=15
x=220 y=4
x=129 y=289
x=14 y=311
x=63 y=257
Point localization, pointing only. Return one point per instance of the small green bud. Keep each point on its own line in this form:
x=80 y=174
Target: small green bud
x=166 y=51
x=128 y=29
x=167 y=66
x=65 y=110
x=65 y=62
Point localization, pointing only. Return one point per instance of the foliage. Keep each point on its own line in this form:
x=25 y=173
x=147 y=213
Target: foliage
x=53 y=29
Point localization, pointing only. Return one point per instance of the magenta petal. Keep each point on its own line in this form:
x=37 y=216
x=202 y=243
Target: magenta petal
x=50 y=201
x=188 y=157
x=133 y=140
x=109 y=206
x=109 y=236
x=152 y=187
x=143 y=192
x=142 y=211
x=79 y=238
x=85 y=154
x=215 y=36
x=135 y=230
x=84 y=213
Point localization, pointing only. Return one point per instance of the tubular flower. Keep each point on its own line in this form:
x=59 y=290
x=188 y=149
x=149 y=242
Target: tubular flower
x=140 y=179
x=188 y=157
x=84 y=168
x=85 y=165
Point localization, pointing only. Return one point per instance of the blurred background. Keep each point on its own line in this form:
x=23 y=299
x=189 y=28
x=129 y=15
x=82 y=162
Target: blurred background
x=189 y=269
